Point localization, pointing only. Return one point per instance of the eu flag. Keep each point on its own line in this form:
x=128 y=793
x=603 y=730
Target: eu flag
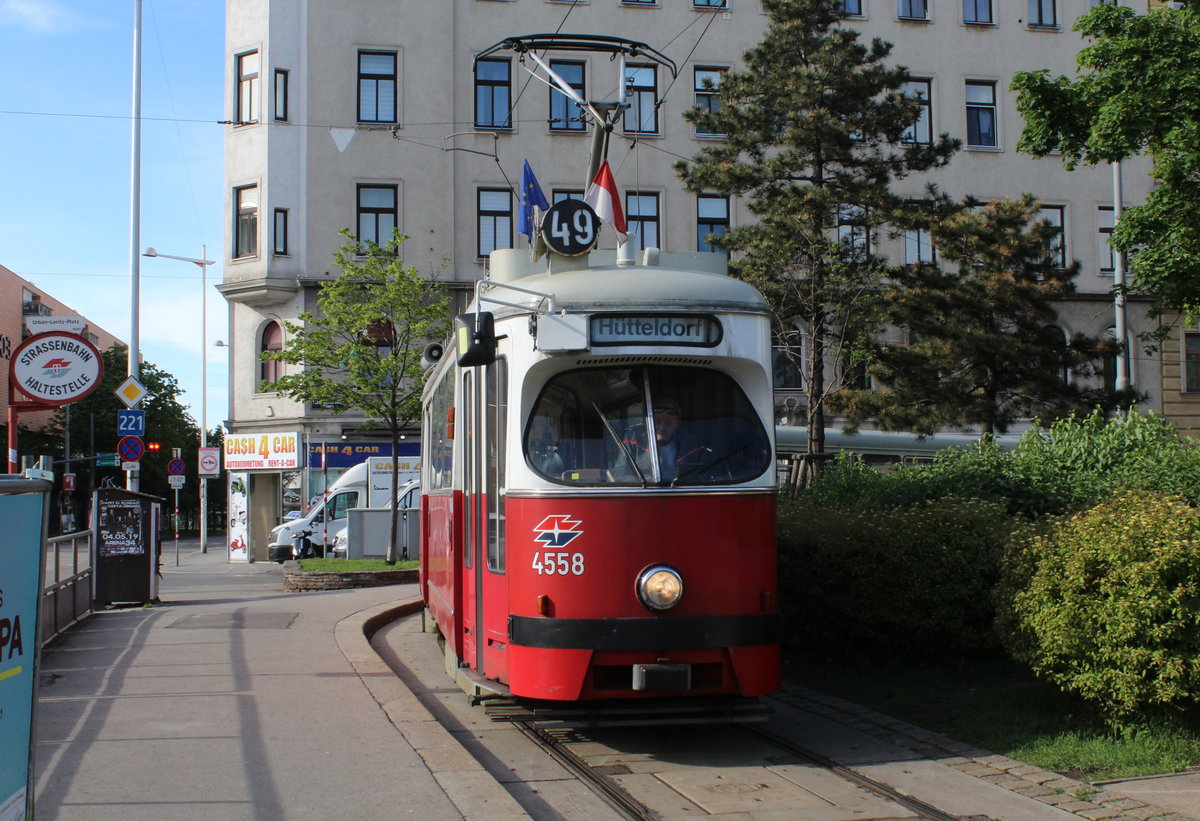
x=531 y=195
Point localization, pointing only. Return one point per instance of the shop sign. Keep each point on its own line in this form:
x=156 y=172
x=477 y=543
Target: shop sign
x=347 y=454
x=262 y=451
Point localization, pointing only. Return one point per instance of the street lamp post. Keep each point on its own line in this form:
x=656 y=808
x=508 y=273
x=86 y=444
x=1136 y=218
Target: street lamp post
x=202 y=264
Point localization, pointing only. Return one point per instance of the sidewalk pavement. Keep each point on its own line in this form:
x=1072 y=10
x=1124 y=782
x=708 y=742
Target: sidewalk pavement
x=234 y=700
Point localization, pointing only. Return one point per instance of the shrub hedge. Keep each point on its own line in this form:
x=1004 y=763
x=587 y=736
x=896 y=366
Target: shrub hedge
x=913 y=580
x=1071 y=463
x=1106 y=603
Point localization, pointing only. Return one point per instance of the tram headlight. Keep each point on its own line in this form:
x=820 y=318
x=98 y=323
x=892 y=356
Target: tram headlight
x=660 y=587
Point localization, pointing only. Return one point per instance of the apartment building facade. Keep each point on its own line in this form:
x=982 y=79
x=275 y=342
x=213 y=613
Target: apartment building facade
x=365 y=115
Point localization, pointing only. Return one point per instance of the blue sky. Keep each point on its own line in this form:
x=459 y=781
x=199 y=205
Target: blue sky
x=66 y=69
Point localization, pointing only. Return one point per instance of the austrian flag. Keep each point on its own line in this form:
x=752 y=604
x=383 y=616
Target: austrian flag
x=606 y=202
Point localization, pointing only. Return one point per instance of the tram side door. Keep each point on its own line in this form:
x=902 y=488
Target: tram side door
x=472 y=504
x=485 y=591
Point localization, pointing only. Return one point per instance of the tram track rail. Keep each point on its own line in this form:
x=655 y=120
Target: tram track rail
x=554 y=739
x=925 y=810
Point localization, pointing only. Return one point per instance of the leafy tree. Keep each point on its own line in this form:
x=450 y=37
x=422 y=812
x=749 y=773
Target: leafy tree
x=1138 y=91
x=363 y=350
x=93 y=427
x=814 y=132
x=984 y=348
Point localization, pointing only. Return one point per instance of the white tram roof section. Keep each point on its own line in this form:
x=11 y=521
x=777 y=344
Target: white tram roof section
x=599 y=281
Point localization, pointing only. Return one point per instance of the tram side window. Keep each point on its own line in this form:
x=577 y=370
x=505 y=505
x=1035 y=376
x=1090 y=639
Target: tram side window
x=439 y=442
x=595 y=427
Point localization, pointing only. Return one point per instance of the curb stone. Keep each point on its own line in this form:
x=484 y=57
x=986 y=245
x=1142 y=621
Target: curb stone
x=472 y=790
x=1051 y=788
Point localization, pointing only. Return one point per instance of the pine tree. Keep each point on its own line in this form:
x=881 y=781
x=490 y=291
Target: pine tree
x=984 y=349
x=814 y=134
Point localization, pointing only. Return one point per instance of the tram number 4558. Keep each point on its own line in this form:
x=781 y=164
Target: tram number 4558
x=558 y=563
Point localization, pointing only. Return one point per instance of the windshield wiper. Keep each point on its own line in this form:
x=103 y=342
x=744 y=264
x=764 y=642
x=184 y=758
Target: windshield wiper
x=620 y=445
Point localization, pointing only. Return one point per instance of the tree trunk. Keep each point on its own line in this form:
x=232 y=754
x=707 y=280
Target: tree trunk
x=815 y=362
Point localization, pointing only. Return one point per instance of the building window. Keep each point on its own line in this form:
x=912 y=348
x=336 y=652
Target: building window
x=1105 y=255
x=852 y=232
x=376 y=87
x=376 y=213
x=920 y=132
x=560 y=194
x=1041 y=13
x=272 y=341
x=641 y=220
x=852 y=8
x=1191 y=362
x=493 y=94
x=981 y=113
x=495 y=220
x=914 y=10
x=707 y=81
x=564 y=114
x=1053 y=214
x=785 y=368
x=641 y=87
x=712 y=218
x=977 y=11
x=918 y=247
x=281 y=95
x=280 y=241
x=709 y=4
x=639 y=2
x=247 y=88
x=245 y=221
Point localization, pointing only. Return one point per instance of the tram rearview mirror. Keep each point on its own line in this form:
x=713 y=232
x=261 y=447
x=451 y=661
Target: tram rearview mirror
x=475 y=336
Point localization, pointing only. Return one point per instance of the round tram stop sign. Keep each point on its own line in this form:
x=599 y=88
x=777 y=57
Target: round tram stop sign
x=56 y=368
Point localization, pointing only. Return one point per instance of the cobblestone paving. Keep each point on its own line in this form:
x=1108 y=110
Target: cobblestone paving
x=1054 y=789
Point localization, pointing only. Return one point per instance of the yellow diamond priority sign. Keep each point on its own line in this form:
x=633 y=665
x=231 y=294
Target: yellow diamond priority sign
x=131 y=392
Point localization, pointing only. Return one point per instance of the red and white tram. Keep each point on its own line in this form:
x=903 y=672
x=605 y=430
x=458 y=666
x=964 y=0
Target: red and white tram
x=598 y=516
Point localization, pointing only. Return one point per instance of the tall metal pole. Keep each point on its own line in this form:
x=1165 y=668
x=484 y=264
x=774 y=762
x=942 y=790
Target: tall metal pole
x=203 y=396
x=1119 y=326
x=135 y=210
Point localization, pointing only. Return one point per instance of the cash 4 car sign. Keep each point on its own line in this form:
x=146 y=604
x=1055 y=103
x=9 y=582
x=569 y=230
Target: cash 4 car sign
x=262 y=451
x=56 y=368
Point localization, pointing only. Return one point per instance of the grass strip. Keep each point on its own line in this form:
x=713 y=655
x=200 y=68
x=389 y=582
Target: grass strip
x=996 y=704
x=317 y=565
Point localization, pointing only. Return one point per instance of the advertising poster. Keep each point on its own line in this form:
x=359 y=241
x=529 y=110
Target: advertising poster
x=121 y=522
x=239 y=528
x=20 y=594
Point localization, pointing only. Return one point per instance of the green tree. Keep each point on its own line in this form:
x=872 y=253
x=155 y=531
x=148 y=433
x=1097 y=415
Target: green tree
x=363 y=349
x=984 y=348
x=1137 y=91
x=814 y=133
x=93 y=428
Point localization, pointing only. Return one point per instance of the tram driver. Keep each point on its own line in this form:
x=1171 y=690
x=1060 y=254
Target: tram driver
x=679 y=450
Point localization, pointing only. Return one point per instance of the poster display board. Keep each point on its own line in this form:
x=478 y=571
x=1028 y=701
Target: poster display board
x=126 y=557
x=239 y=526
x=23 y=507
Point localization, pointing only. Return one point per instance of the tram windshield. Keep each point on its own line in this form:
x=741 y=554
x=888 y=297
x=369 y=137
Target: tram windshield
x=645 y=426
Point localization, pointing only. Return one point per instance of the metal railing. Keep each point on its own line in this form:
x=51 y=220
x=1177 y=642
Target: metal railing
x=67 y=586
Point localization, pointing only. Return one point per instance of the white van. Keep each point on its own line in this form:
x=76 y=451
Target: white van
x=325 y=520
x=408 y=499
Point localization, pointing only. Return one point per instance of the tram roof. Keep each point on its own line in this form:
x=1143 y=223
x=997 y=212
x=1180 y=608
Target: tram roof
x=692 y=281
